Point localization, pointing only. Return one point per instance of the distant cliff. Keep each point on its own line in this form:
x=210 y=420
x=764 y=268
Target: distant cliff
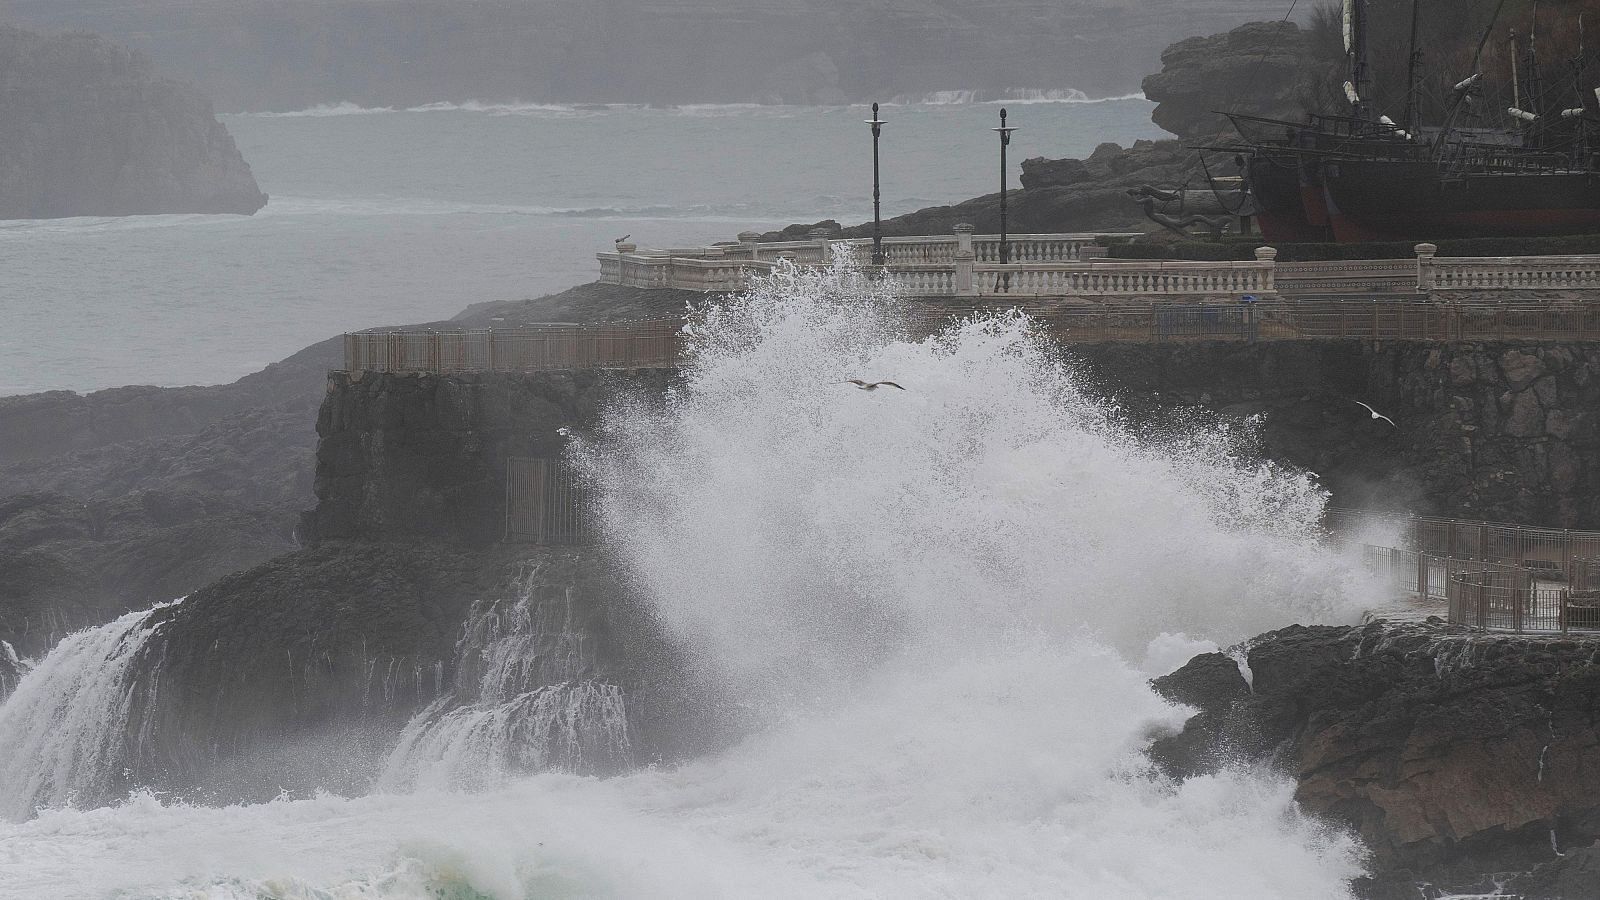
x=88 y=129
x=268 y=54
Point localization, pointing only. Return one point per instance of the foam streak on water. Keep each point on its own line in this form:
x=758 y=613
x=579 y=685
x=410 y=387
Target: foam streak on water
x=928 y=601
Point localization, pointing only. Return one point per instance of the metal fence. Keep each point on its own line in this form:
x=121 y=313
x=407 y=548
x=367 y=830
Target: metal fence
x=1555 y=554
x=1491 y=576
x=544 y=503
x=533 y=348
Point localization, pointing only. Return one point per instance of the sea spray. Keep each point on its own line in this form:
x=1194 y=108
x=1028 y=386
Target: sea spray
x=794 y=529
x=927 y=600
x=525 y=699
x=66 y=732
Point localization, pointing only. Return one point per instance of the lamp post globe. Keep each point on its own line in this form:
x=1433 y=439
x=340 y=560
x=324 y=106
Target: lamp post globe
x=877 y=207
x=1005 y=141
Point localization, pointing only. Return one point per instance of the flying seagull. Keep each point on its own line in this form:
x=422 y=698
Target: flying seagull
x=1376 y=414
x=870 y=385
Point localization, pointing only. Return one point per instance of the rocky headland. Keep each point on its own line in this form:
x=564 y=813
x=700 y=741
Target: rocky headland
x=89 y=129
x=1462 y=761
x=1258 y=68
x=641 y=51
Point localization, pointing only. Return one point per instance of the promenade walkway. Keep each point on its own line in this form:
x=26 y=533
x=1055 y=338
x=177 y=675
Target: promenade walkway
x=656 y=343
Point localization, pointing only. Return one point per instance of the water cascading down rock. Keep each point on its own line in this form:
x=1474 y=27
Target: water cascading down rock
x=528 y=698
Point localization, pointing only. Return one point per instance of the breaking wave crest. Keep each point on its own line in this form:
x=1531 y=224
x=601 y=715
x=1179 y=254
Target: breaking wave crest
x=928 y=604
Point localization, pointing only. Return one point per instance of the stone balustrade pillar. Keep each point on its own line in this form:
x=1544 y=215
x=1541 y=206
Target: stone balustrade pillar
x=1269 y=278
x=750 y=243
x=1425 y=272
x=822 y=236
x=964 y=285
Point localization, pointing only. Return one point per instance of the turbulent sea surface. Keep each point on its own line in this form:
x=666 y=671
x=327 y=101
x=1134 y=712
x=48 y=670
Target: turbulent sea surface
x=397 y=216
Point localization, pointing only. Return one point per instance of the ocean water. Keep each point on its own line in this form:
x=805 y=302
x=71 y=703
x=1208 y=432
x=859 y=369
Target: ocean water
x=385 y=217
x=938 y=606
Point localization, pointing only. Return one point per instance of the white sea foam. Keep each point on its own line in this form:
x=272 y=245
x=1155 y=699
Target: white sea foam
x=928 y=599
x=1015 y=96
x=496 y=108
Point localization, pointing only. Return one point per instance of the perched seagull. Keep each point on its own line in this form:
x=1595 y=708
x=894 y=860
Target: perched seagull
x=870 y=386
x=1376 y=414
x=621 y=239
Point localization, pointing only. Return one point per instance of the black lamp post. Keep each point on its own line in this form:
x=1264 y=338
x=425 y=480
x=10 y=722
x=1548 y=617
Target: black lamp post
x=877 y=209
x=1005 y=141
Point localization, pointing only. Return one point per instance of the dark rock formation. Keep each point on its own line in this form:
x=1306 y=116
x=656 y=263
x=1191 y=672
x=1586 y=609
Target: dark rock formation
x=300 y=673
x=1454 y=756
x=263 y=54
x=88 y=129
x=410 y=456
x=67 y=563
x=117 y=499
x=1259 y=68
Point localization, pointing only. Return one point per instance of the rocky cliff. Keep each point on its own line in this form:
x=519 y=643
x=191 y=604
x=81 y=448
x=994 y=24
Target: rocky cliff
x=1259 y=68
x=121 y=498
x=89 y=129
x=424 y=456
x=262 y=54
x=1455 y=757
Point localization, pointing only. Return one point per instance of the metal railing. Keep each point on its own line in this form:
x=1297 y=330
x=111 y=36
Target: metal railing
x=1491 y=576
x=1553 y=554
x=533 y=348
x=545 y=503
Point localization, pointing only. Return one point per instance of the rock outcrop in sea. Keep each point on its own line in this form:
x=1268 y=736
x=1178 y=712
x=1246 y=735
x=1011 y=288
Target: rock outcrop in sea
x=1456 y=757
x=89 y=129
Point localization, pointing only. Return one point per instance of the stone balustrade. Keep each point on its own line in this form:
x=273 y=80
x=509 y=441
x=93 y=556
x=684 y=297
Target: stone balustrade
x=1132 y=278
x=1505 y=273
x=1071 y=265
x=961 y=265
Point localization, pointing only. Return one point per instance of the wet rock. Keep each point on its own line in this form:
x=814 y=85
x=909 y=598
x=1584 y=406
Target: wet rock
x=1210 y=681
x=1452 y=755
x=1572 y=876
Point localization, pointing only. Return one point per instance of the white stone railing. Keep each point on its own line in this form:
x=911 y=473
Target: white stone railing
x=1346 y=277
x=1070 y=265
x=1505 y=273
x=1132 y=278
x=960 y=265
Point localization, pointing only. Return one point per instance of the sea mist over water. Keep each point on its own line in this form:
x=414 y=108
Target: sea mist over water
x=931 y=603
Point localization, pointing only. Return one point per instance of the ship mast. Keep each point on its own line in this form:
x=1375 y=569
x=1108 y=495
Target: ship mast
x=1414 y=61
x=1355 y=47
